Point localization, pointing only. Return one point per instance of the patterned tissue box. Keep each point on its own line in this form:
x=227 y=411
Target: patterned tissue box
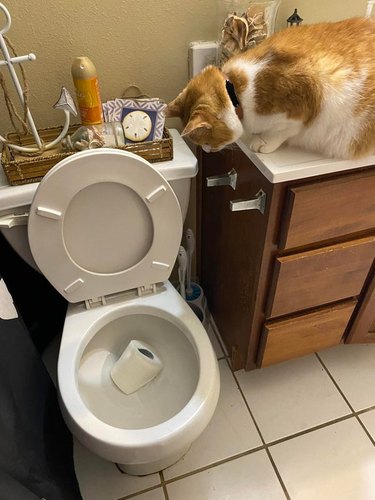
x=142 y=118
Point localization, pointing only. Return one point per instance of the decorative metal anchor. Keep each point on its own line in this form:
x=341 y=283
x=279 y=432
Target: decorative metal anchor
x=65 y=101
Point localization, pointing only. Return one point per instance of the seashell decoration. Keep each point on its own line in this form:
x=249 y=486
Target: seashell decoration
x=242 y=32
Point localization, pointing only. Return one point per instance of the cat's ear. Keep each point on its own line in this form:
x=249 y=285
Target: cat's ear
x=176 y=107
x=173 y=110
x=196 y=123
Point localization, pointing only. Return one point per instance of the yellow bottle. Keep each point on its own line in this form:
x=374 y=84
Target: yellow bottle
x=87 y=91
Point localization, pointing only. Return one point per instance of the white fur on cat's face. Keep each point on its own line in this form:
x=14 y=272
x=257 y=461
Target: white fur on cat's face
x=232 y=122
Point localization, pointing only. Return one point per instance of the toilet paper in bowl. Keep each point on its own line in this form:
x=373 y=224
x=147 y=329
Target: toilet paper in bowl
x=137 y=366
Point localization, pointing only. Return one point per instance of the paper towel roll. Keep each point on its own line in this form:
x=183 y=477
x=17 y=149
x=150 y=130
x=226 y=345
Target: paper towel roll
x=137 y=366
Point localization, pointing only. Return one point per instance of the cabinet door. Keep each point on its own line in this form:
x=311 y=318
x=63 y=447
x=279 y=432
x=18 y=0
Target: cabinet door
x=362 y=330
x=232 y=251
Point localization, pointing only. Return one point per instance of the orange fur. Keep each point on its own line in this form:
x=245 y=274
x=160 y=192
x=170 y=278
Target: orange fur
x=292 y=87
x=199 y=106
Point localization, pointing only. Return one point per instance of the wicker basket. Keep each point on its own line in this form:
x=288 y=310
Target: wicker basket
x=27 y=169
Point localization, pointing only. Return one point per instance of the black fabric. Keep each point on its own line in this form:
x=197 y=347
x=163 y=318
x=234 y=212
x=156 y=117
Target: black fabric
x=232 y=93
x=34 y=296
x=36 y=448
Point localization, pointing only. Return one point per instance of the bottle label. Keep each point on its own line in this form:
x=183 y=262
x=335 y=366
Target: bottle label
x=89 y=102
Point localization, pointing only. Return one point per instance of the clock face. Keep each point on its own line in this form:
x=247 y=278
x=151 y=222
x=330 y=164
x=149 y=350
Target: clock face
x=137 y=126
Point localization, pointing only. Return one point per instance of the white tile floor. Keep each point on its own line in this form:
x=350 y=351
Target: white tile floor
x=303 y=429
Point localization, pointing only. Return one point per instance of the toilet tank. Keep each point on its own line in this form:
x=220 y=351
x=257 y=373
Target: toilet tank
x=180 y=171
x=16 y=200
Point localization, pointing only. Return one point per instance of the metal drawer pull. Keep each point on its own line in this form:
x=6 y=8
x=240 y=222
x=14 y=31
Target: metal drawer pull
x=257 y=203
x=229 y=179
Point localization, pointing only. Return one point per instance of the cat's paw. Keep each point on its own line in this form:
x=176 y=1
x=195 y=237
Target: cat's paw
x=269 y=147
x=256 y=143
x=261 y=145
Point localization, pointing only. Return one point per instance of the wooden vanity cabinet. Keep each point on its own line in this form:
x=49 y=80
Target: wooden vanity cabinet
x=296 y=273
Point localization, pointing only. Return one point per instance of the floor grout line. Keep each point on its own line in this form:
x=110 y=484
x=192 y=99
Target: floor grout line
x=354 y=412
x=140 y=492
x=334 y=382
x=265 y=446
x=214 y=464
x=311 y=429
x=278 y=475
x=365 y=410
x=163 y=484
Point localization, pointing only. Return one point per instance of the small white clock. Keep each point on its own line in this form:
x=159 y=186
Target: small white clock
x=137 y=126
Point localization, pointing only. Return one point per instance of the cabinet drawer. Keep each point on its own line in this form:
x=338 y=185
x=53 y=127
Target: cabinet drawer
x=328 y=209
x=320 y=276
x=293 y=337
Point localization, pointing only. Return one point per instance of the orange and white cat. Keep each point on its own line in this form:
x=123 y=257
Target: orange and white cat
x=312 y=86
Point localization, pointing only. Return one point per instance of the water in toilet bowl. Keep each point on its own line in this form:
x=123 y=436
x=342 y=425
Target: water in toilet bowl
x=157 y=401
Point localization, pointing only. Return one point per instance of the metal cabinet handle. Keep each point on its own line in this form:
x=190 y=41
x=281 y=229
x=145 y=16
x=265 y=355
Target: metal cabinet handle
x=229 y=179
x=257 y=203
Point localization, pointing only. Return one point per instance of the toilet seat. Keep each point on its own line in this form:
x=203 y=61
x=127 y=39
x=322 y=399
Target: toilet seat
x=104 y=221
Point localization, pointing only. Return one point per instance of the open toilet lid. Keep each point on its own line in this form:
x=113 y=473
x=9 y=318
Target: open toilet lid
x=104 y=221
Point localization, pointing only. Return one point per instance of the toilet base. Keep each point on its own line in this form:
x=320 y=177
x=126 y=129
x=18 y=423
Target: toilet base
x=151 y=468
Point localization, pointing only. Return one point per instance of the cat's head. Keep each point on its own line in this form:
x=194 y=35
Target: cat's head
x=206 y=111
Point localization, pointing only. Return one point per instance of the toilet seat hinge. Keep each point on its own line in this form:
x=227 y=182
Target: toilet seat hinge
x=11 y=220
x=146 y=289
x=96 y=301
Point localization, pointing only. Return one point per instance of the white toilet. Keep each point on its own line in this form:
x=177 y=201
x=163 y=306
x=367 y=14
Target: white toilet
x=105 y=227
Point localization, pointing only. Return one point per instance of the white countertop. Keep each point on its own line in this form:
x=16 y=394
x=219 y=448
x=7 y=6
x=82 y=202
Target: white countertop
x=288 y=163
x=184 y=165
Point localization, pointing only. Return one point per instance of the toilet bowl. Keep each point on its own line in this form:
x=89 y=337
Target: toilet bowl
x=152 y=428
x=104 y=227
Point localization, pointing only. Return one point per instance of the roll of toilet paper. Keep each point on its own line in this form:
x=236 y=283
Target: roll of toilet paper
x=137 y=366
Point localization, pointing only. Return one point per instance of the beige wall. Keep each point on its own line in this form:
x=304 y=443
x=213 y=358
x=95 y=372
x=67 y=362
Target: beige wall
x=140 y=42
